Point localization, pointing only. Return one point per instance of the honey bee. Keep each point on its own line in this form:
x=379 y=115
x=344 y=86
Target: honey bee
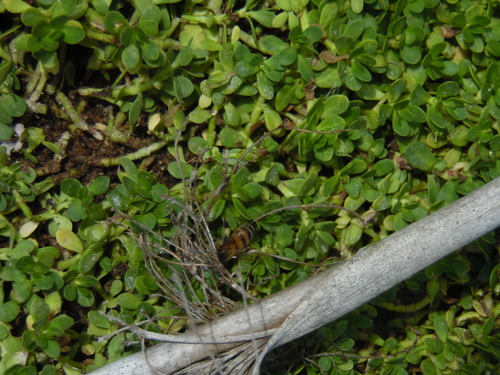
x=236 y=243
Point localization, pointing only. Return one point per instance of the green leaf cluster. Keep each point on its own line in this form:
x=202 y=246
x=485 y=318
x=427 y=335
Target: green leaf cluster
x=137 y=42
x=11 y=104
x=50 y=24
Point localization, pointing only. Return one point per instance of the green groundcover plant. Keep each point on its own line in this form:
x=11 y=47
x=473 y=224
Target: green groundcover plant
x=327 y=125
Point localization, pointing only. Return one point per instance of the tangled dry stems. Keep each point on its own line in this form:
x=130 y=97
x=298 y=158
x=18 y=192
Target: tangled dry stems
x=190 y=256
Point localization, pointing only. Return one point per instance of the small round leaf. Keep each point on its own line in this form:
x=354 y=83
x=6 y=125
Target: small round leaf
x=420 y=156
x=9 y=311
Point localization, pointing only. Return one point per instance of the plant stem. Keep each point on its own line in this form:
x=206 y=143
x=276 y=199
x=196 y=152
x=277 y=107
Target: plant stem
x=211 y=132
x=22 y=204
x=143 y=152
x=405 y=308
x=106 y=38
x=4 y=55
x=34 y=90
x=257 y=110
x=80 y=123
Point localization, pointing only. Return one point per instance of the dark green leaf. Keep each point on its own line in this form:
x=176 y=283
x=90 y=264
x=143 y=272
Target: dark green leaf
x=441 y=328
x=135 y=110
x=313 y=33
x=113 y=21
x=131 y=57
x=73 y=188
x=246 y=69
x=411 y=54
x=355 y=29
x=231 y=138
x=420 y=156
x=15 y=106
x=305 y=67
x=180 y=170
x=9 y=311
x=264 y=17
x=99 y=185
x=73 y=32
x=287 y=56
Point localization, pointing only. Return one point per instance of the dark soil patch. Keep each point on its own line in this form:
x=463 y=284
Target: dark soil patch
x=82 y=157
